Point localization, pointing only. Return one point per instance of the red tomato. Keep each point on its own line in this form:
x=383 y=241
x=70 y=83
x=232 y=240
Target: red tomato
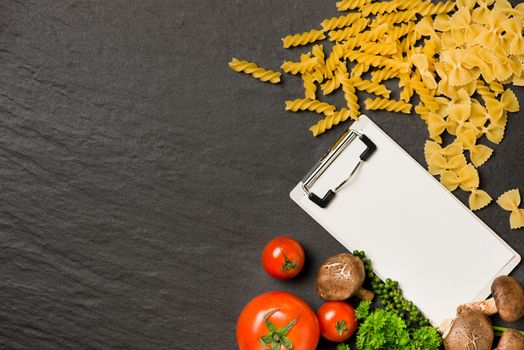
x=337 y=320
x=277 y=320
x=283 y=258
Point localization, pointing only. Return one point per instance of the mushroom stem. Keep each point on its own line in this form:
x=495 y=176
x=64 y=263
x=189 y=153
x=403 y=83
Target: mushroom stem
x=365 y=294
x=487 y=307
x=445 y=326
x=499 y=329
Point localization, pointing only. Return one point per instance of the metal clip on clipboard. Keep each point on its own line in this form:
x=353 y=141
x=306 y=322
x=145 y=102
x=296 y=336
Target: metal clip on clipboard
x=342 y=143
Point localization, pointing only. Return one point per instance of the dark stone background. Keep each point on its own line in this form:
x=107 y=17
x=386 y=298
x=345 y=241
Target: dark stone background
x=141 y=177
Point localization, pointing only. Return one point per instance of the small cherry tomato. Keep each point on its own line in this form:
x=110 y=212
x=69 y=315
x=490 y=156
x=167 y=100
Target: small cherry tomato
x=277 y=320
x=283 y=258
x=337 y=320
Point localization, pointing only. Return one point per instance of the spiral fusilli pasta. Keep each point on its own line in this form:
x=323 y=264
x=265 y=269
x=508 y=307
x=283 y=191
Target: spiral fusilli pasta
x=328 y=122
x=371 y=87
x=340 y=22
x=309 y=86
x=388 y=105
x=351 y=31
x=255 y=71
x=395 y=17
x=430 y=8
x=345 y=5
x=303 y=38
x=379 y=8
x=299 y=67
x=383 y=74
x=350 y=97
x=377 y=61
x=409 y=4
x=378 y=48
x=307 y=104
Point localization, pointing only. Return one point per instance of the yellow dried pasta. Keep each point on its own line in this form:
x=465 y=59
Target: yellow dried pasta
x=383 y=74
x=479 y=154
x=255 y=71
x=379 y=7
x=466 y=178
x=436 y=8
x=303 y=38
x=395 y=17
x=307 y=104
x=345 y=5
x=344 y=34
x=377 y=61
x=378 y=48
x=334 y=119
x=510 y=201
x=350 y=97
x=388 y=105
x=467 y=47
x=309 y=86
x=437 y=163
x=305 y=65
x=340 y=22
x=478 y=199
x=371 y=87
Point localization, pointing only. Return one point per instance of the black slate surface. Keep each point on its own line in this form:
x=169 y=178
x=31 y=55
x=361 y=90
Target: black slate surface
x=141 y=177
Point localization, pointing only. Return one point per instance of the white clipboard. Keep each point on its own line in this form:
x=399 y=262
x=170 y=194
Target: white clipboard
x=410 y=226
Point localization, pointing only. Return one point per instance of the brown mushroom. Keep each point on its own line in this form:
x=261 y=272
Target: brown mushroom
x=471 y=330
x=507 y=299
x=511 y=340
x=341 y=277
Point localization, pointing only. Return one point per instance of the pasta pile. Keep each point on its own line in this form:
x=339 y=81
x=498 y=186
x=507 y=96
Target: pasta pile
x=452 y=60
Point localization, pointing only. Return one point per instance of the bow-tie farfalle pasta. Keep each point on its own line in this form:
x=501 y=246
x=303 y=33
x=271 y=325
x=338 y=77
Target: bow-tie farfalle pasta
x=465 y=178
x=458 y=73
x=485 y=124
x=478 y=153
x=513 y=36
x=437 y=163
x=432 y=148
x=421 y=62
x=489 y=35
x=481 y=13
x=469 y=4
x=437 y=124
x=508 y=102
x=455 y=58
x=510 y=201
x=478 y=199
x=459 y=112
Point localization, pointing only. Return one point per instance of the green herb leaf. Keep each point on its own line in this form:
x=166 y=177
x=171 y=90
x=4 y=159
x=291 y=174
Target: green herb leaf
x=382 y=329
x=342 y=346
x=425 y=338
x=362 y=311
